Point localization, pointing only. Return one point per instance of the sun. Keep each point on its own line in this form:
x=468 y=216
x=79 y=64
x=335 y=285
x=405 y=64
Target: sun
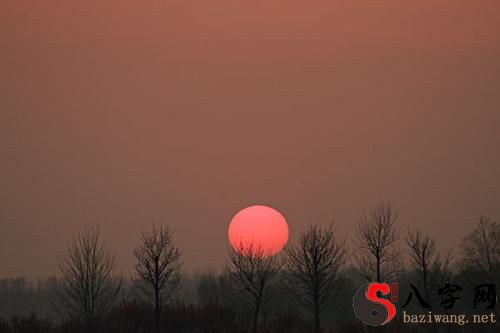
x=259 y=226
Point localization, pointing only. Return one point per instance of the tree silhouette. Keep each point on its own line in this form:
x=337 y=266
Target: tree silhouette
x=313 y=264
x=481 y=248
x=375 y=236
x=89 y=288
x=425 y=260
x=158 y=268
x=252 y=270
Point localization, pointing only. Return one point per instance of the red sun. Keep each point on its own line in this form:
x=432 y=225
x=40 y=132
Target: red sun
x=259 y=226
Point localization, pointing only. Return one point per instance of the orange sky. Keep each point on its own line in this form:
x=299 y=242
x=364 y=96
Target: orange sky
x=125 y=113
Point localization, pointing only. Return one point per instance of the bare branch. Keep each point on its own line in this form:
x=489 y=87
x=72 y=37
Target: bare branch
x=252 y=269
x=89 y=287
x=158 y=267
x=313 y=265
x=424 y=259
x=481 y=248
x=376 y=238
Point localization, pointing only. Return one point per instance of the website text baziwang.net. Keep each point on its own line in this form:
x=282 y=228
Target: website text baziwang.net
x=458 y=319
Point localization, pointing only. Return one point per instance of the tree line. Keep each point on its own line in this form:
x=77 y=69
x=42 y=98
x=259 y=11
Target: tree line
x=306 y=288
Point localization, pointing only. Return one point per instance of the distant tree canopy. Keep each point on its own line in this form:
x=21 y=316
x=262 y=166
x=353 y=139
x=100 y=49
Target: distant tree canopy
x=293 y=292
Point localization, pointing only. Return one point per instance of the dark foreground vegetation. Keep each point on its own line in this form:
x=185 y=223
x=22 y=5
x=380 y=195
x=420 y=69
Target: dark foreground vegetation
x=307 y=288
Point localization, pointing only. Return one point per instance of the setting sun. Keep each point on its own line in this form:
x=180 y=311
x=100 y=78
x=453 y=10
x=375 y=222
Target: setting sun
x=259 y=226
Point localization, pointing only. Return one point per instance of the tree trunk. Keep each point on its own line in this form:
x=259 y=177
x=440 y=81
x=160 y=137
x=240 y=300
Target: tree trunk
x=378 y=269
x=157 y=309
x=426 y=287
x=255 y=324
x=317 y=323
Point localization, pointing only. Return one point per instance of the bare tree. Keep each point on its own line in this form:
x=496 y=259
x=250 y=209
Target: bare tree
x=89 y=288
x=314 y=264
x=376 y=238
x=158 y=268
x=425 y=260
x=252 y=270
x=481 y=248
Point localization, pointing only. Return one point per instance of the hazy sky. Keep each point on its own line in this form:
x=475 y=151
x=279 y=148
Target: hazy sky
x=125 y=113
